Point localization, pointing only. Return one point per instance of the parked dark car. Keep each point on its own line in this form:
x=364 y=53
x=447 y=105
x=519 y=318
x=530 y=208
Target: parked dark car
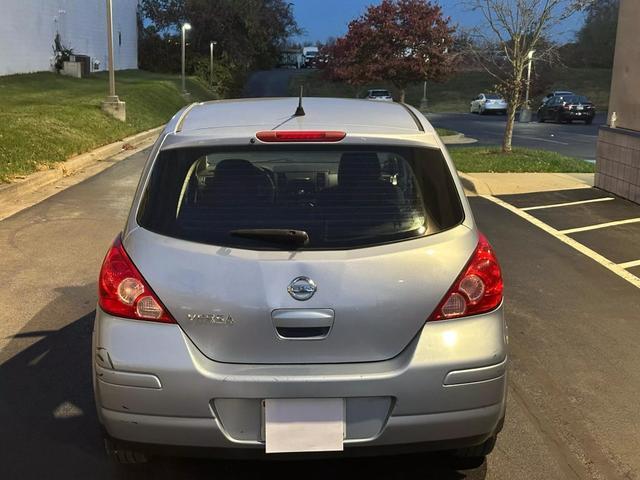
x=556 y=93
x=565 y=109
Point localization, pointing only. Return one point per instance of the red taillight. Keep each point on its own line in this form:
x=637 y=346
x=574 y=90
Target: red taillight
x=274 y=136
x=477 y=290
x=124 y=293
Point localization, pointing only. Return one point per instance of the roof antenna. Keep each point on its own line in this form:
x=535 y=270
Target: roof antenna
x=300 y=111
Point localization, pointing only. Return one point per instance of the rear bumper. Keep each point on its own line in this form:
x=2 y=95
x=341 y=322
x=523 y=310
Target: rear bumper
x=495 y=108
x=201 y=436
x=447 y=389
x=573 y=115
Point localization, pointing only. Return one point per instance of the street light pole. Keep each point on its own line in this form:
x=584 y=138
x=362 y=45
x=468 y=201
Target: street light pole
x=423 y=103
x=112 y=105
x=185 y=27
x=526 y=102
x=112 y=73
x=525 y=113
x=211 y=68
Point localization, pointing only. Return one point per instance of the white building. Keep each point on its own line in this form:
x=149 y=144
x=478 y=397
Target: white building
x=28 y=29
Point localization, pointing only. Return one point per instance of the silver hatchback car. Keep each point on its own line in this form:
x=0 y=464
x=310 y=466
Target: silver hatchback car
x=296 y=281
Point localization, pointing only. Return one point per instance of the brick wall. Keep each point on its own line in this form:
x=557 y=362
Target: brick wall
x=618 y=158
x=618 y=164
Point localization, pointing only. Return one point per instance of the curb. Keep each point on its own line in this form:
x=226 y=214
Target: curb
x=11 y=192
x=458 y=139
x=473 y=185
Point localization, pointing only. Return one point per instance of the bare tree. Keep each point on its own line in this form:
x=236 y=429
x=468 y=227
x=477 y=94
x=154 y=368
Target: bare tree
x=511 y=29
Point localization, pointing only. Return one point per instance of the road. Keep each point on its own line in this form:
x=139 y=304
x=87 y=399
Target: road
x=573 y=343
x=575 y=139
x=270 y=83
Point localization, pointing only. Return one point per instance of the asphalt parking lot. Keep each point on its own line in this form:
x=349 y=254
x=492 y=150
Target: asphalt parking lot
x=572 y=410
x=597 y=224
x=575 y=140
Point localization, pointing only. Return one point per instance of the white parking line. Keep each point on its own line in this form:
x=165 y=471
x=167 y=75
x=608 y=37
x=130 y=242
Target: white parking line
x=635 y=263
x=600 y=225
x=605 y=262
x=541 y=139
x=567 y=204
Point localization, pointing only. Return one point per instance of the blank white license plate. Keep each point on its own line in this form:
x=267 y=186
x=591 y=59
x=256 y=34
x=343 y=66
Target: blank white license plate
x=580 y=107
x=304 y=425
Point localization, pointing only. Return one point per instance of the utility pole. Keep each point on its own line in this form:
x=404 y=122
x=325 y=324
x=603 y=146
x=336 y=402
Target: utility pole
x=112 y=105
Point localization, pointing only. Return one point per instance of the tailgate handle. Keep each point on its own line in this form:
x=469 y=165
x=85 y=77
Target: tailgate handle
x=302 y=323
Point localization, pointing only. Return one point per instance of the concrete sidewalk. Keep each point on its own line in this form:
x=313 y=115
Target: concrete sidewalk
x=510 y=183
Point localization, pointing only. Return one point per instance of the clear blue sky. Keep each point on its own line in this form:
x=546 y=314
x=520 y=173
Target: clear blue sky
x=329 y=18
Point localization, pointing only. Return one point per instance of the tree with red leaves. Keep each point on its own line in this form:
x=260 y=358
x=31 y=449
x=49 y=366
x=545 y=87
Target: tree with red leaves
x=400 y=41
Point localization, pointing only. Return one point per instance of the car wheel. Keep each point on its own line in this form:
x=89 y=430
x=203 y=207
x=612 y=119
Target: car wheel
x=123 y=455
x=473 y=457
x=540 y=118
x=588 y=121
x=481 y=111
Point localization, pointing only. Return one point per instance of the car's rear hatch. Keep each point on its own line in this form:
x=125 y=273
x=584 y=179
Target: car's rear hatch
x=385 y=243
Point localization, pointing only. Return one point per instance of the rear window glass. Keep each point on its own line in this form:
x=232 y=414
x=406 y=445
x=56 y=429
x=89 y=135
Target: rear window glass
x=380 y=93
x=493 y=96
x=576 y=99
x=341 y=197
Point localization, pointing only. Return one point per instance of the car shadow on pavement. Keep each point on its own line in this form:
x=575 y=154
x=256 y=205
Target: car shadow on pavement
x=423 y=466
x=47 y=413
x=50 y=429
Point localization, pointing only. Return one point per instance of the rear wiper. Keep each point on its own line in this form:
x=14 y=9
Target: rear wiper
x=297 y=238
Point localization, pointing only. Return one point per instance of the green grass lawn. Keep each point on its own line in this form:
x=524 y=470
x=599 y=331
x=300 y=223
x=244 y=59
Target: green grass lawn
x=47 y=118
x=445 y=132
x=455 y=94
x=491 y=159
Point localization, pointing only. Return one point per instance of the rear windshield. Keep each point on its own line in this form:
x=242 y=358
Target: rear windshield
x=380 y=93
x=575 y=99
x=341 y=197
x=493 y=96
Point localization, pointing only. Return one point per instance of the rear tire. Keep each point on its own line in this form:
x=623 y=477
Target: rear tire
x=473 y=457
x=588 y=122
x=540 y=119
x=123 y=455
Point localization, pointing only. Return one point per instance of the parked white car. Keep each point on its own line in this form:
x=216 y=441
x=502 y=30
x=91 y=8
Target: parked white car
x=488 y=103
x=379 y=94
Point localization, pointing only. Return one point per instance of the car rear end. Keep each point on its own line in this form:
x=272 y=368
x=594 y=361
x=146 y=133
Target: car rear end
x=495 y=104
x=380 y=95
x=578 y=107
x=327 y=280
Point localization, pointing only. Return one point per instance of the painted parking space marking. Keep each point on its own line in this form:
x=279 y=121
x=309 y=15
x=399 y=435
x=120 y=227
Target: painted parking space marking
x=592 y=254
x=568 y=204
x=600 y=225
x=542 y=140
x=627 y=265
